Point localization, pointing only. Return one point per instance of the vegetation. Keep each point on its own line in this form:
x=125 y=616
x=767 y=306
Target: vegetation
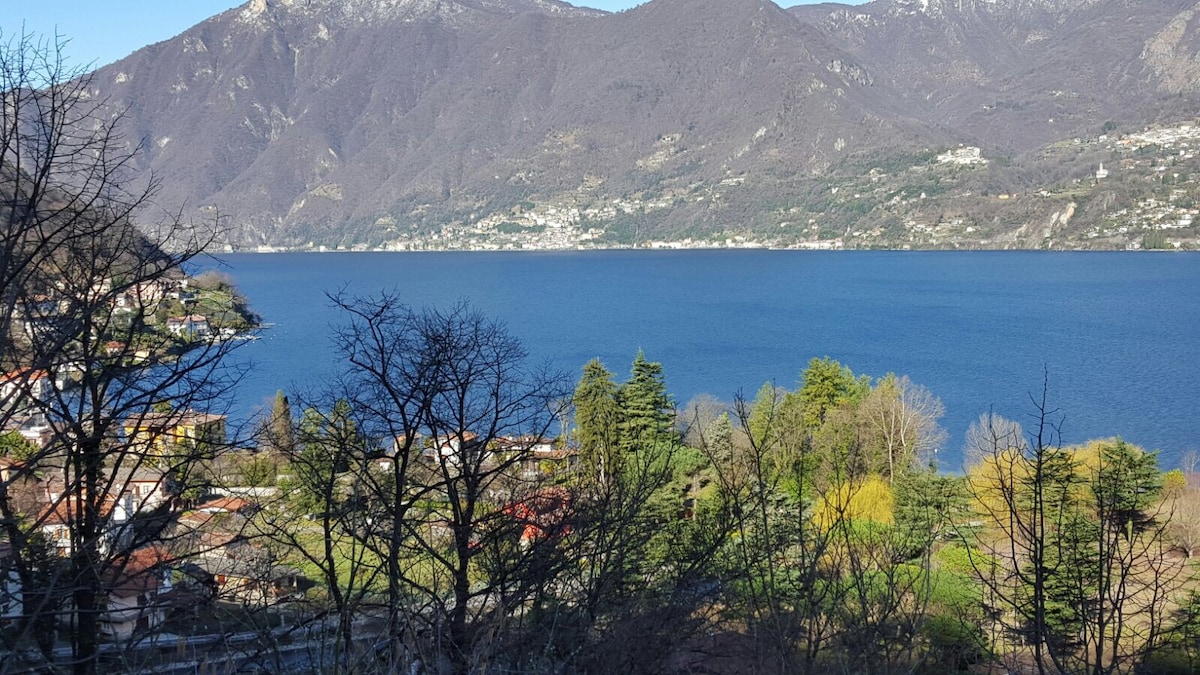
x=448 y=507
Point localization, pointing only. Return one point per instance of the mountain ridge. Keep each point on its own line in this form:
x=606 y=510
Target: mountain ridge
x=369 y=121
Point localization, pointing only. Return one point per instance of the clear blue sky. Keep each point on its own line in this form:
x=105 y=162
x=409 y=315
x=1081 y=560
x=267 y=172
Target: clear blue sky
x=102 y=31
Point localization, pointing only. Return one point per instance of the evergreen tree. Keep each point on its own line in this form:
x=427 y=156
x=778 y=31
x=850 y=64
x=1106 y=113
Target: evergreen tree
x=827 y=385
x=597 y=421
x=327 y=442
x=646 y=408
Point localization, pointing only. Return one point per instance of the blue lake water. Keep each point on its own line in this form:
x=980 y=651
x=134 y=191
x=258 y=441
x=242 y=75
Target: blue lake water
x=1117 y=332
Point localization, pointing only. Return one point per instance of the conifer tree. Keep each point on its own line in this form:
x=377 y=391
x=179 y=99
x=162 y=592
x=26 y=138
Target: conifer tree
x=597 y=418
x=827 y=384
x=645 y=405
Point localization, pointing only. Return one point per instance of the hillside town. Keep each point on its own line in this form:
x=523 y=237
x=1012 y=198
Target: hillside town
x=1133 y=191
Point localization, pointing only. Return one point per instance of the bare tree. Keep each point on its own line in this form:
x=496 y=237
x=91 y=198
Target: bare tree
x=903 y=419
x=1073 y=548
x=81 y=295
x=458 y=517
x=989 y=433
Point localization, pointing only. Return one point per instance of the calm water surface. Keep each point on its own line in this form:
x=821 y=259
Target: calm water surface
x=1117 y=332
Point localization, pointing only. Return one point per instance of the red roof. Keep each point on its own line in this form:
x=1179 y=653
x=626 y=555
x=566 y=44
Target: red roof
x=26 y=375
x=64 y=511
x=135 y=573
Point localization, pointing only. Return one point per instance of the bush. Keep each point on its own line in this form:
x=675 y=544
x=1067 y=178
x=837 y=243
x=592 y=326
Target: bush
x=954 y=643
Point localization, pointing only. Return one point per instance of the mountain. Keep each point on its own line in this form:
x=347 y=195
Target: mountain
x=1021 y=73
x=364 y=122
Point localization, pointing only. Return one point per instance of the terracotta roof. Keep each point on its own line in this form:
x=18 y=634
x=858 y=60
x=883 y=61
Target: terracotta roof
x=64 y=510
x=137 y=573
x=25 y=375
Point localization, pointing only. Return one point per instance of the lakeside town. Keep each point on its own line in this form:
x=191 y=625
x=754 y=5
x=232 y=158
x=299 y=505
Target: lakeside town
x=1144 y=183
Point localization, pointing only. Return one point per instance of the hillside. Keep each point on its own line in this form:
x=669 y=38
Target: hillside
x=433 y=123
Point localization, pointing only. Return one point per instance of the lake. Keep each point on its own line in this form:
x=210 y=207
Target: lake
x=1117 y=333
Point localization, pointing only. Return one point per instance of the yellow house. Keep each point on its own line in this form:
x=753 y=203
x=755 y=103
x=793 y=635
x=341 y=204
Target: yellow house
x=159 y=433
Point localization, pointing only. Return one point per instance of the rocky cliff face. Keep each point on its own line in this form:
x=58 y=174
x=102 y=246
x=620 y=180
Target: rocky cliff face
x=354 y=120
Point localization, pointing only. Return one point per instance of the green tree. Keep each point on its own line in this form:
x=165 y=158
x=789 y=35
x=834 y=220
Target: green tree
x=597 y=422
x=14 y=446
x=279 y=431
x=646 y=408
x=825 y=386
x=325 y=445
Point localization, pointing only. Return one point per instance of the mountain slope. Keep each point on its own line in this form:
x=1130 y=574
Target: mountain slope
x=368 y=121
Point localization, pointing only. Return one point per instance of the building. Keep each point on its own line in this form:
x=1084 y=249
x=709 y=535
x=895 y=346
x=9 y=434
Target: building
x=11 y=596
x=25 y=388
x=962 y=155
x=59 y=516
x=147 y=487
x=160 y=433
x=192 y=326
x=451 y=447
x=138 y=588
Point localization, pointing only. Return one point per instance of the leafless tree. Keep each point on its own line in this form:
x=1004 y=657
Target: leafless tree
x=457 y=511
x=1072 y=550
x=902 y=417
x=988 y=433
x=80 y=289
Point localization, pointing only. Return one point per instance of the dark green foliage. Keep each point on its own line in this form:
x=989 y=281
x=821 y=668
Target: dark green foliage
x=827 y=384
x=597 y=421
x=325 y=446
x=14 y=446
x=646 y=408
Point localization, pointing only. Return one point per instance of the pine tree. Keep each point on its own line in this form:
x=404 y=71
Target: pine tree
x=827 y=385
x=646 y=408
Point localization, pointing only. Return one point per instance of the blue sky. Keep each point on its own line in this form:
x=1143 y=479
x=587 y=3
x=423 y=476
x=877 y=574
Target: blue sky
x=102 y=31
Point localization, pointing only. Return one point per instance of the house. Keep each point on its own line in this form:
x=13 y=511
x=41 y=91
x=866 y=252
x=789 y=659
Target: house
x=138 y=588
x=249 y=575
x=159 y=432
x=536 y=445
x=405 y=441
x=24 y=388
x=536 y=455
x=225 y=505
x=191 y=326
x=61 y=512
x=451 y=446
x=542 y=514
x=147 y=487
x=34 y=428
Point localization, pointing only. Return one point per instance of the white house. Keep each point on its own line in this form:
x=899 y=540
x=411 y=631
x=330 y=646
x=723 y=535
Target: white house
x=190 y=326
x=11 y=597
x=138 y=588
x=24 y=388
